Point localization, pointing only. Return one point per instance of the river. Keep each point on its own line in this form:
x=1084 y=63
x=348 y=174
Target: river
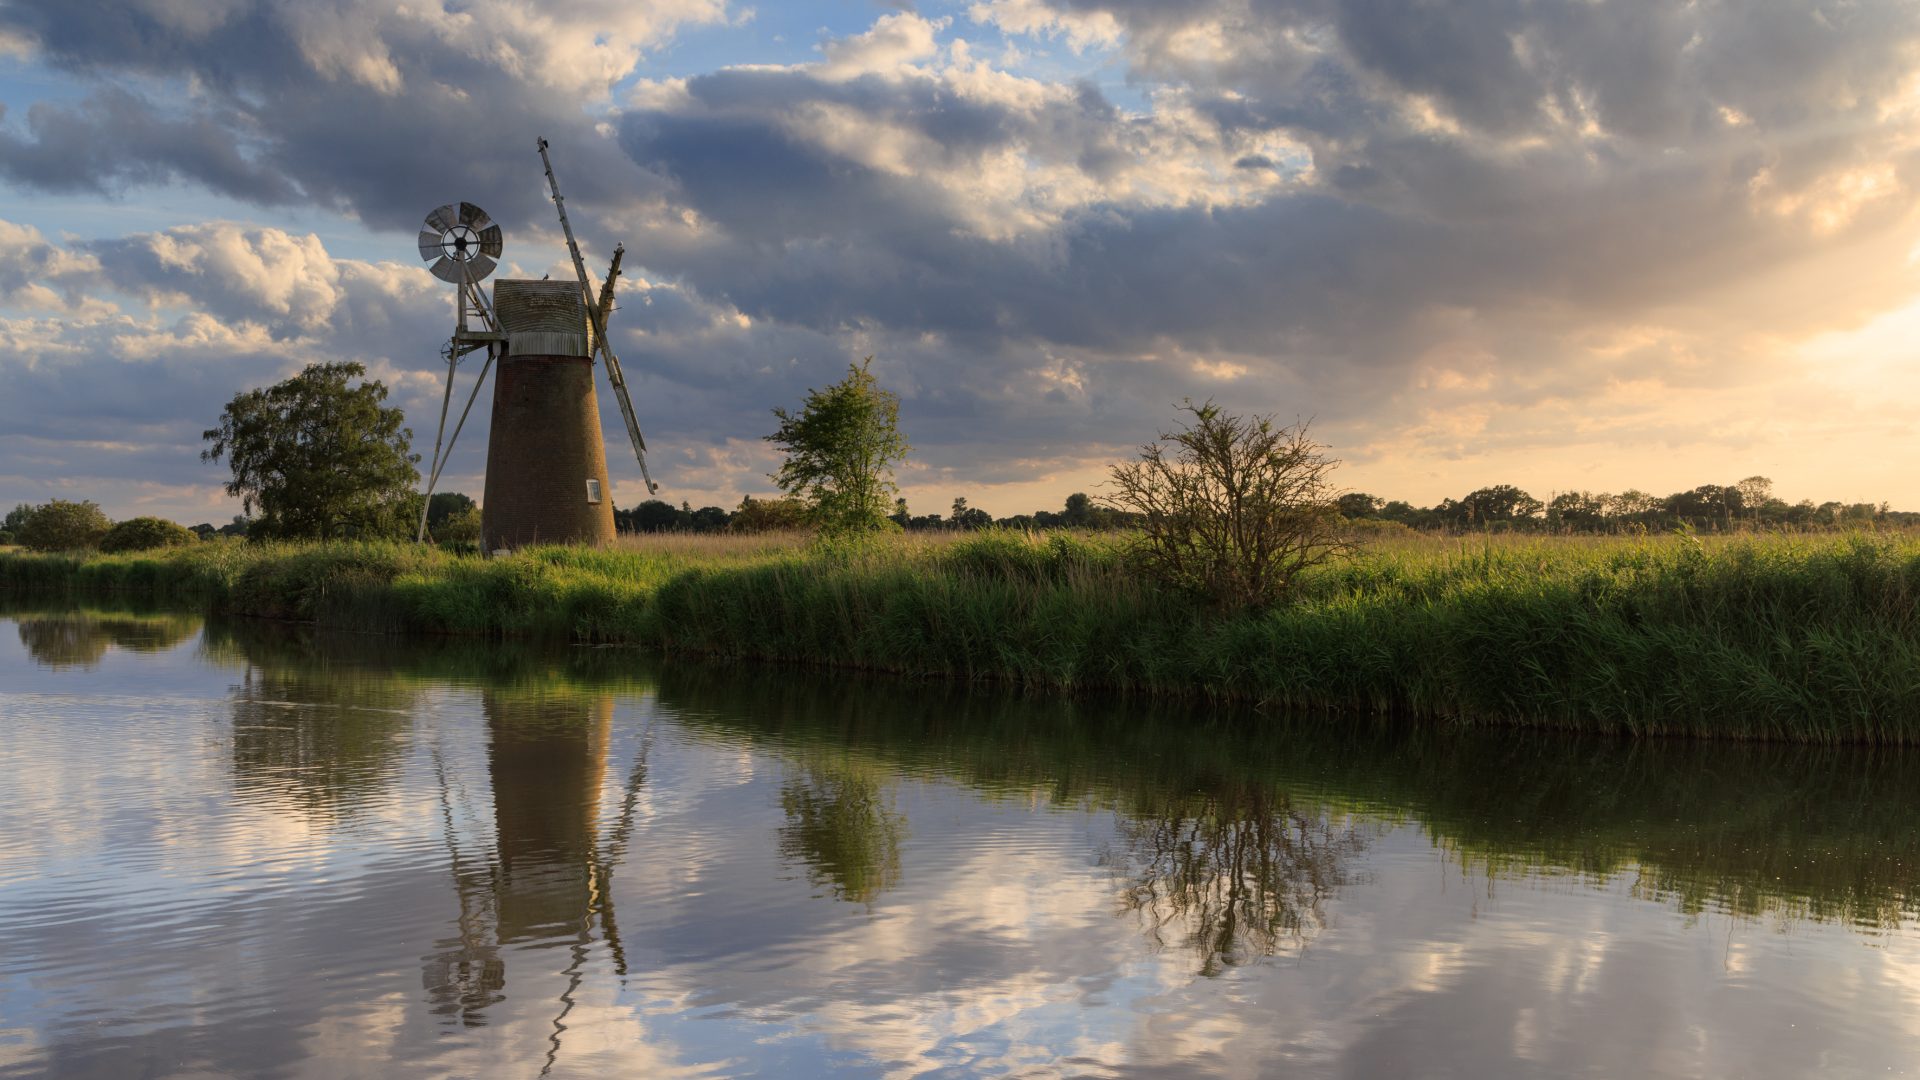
x=261 y=851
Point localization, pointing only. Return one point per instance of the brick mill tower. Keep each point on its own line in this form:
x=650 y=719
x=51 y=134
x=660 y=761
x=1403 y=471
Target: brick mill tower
x=546 y=465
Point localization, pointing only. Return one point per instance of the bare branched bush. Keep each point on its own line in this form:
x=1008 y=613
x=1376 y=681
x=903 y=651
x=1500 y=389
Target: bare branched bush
x=1233 y=508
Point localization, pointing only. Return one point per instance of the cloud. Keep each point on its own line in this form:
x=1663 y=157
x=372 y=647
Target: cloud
x=1081 y=30
x=37 y=272
x=1502 y=183
x=894 y=43
x=124 y=349
x=1431 y=229
x=361 y=106
x=115 y=138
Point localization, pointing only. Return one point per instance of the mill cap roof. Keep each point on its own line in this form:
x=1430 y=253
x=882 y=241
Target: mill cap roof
x=542 y=318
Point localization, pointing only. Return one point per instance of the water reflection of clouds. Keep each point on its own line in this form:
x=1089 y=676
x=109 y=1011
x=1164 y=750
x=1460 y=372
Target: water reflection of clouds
x=999 y=963
x=991 y=956
x=1496 y=982
x=1580 y=982
x=890 y=920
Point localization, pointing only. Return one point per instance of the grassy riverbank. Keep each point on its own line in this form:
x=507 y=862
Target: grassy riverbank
x=1811 y=638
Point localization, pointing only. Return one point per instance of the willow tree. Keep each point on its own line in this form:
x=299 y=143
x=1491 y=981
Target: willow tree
x=317 y=458
x=841 y=448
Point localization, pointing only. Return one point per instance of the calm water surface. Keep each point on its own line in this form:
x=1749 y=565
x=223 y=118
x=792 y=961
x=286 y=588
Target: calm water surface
x=244 y=851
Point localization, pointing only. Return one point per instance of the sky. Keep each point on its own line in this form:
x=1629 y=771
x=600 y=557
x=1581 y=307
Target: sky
x=1582 y=245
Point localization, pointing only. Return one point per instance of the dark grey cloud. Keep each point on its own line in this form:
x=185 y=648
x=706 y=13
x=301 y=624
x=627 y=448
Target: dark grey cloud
x=337 y=104
x=115 y=138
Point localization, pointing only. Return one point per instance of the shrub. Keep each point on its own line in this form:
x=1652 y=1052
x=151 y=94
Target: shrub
x=1379 y=528
x=1235 y=508
x=768 y=515
x=64 y=526
x=461 y=528
x=145 y=533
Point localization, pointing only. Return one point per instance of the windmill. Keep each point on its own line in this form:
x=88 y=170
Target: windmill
x=546 y=464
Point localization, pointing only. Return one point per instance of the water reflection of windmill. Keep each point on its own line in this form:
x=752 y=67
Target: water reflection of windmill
x=547 y=476
x=549 y=874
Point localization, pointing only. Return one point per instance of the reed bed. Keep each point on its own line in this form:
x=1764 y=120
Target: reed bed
x=1807 y=638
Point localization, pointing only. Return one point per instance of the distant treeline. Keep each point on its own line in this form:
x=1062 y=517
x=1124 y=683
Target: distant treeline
x=755 y=514
x=1748 y=504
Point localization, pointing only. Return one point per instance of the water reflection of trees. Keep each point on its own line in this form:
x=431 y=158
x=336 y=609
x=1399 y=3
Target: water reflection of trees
x=1774 y=831
x=842 y=824
x=1780 y=831
x=1233 y=874
x=82 y=638
x=320 y=719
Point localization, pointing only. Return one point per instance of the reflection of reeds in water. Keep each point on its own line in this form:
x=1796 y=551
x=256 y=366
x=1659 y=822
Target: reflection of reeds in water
x=1757 y=830
x=322 y=741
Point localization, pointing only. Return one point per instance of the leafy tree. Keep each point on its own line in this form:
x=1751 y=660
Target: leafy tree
x=1755 y=491
x=1357 y=504
x=841 y=448
x=1403 y=512
x=768 y=515
x=1079 y=511
x=969 y=517
x=1632 y=503
x=1502 y=502
x=709 y=519
x=1577 y=510
x=64 y=526
x=444 y=505
x=901 y=515
x=145 y=533
x=1232 y=508
x=462 y=527
x=656 y=515
x=318 y=458
x=1707 y=506
x=16 y=519
x=1757 y=501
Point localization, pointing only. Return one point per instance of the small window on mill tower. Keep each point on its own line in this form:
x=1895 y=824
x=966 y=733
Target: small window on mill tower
x=593 y=490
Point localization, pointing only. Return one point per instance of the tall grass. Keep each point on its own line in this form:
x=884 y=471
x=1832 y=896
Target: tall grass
x=1794 y=637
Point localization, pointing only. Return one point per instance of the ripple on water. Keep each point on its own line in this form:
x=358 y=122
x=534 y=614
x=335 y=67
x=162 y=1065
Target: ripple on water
x=306 y=856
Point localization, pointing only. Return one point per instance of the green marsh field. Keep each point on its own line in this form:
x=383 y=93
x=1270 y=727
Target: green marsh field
x=1803 y=637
